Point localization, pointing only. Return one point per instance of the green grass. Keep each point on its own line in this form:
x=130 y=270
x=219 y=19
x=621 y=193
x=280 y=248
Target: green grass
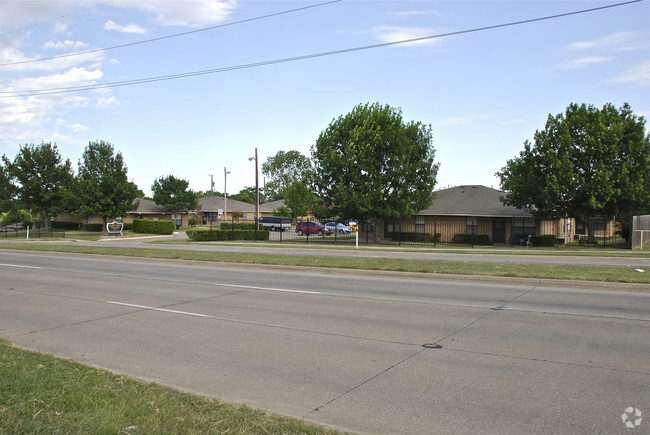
x=568 y=272
x=45 y=394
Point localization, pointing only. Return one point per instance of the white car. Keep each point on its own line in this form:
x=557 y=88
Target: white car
x=338 y=227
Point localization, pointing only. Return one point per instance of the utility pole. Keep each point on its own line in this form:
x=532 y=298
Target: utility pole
x=225 y=194
x=257 y=193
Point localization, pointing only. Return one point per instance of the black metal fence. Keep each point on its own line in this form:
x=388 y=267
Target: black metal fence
x=38 y=231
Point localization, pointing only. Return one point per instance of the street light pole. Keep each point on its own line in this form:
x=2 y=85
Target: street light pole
x=225 y=195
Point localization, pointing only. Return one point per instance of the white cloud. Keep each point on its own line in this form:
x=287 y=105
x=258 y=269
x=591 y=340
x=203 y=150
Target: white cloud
x=619 y=41
x=74 y=127
x=184 y=13
x=77 y=76
x=583 y=62
x=388 y=34
x=107 y=102
x=65 y=45
x=127 y=28
x=60 y=27
x=638 y=75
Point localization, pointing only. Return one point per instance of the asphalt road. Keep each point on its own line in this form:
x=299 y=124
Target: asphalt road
x=355 y=351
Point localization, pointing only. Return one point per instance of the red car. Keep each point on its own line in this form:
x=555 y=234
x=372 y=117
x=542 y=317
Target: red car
x=312 y=228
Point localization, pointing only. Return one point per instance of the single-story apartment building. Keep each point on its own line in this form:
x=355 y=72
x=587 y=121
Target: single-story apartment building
x=211 y=207
x=475 y=209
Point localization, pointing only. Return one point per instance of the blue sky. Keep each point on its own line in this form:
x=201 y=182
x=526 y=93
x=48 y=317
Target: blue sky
x=484 y=93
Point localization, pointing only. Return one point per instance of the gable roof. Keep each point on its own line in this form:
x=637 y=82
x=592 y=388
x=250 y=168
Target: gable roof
x=215 y=202
x=147 y=206
x=471 y=200
x=269 y=207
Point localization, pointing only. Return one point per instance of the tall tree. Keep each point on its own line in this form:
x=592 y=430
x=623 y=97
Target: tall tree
x=43 y=178
x=299 y=199
x=587 y=163
x=173 y=194
x=102 y=187
x=370 y=164
x=7 y=189
x=284 y=169
x=247 y=194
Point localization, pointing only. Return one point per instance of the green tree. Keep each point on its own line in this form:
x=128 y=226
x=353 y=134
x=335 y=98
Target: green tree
x=102 y=187
x=43 y=178
x=370 y=164
x=7 y=189
x=173 y=194
x=284 y=169
x=299 y=199
x=247 y=194
x=587 y=163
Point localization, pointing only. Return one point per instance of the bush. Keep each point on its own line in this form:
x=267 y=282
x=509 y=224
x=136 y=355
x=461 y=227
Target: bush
x=584 y=240
x=471 y=239
x=67 y=225
x=94 y=227
x=151 y=226
x=415 y=237
x=543 y=240
x=239 y=226
x=220 y=235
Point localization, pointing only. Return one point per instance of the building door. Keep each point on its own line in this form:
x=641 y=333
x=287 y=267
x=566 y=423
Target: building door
x=499 y=231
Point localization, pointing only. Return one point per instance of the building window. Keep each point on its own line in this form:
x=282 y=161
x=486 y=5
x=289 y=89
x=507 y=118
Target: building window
x=419 y=224
x=472 y=225
x=212 y=216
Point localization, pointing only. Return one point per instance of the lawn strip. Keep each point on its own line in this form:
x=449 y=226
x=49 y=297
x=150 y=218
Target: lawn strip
x=45 y=394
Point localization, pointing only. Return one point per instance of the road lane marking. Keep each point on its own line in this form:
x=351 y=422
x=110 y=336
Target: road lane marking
x=21 y=266
x=164 y=310
x=284 y=290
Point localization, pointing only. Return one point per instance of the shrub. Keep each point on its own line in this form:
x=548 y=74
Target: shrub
x=67 y=225
x=415 y=237
x=94 y=227
x=239 y=226
x=470 y=239
x=151 y=226
x=543 y=240
x=220 y=235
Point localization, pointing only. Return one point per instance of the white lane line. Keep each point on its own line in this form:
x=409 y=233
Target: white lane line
x=146 y=307
x=18 y=265
x=284 y=290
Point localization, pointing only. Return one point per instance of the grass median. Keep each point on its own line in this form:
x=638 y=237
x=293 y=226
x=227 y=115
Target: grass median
x=541 y=271
x=45 y=394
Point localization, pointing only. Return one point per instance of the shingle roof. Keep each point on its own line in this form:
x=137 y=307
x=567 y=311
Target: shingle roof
x=147 y=206
x=473 y=200
x=268 y=207
x=215 y=202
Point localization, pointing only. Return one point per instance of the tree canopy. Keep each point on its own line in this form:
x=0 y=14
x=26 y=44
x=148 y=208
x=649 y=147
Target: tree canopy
x=587 y=163
x=370 y=164
x=173 y=194
x=102 y=187
x=7 y=190
x=283 y=170
x=43 y=179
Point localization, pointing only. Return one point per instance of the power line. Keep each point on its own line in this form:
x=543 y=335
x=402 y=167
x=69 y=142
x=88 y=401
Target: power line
x=36 y=92
x=175 y=35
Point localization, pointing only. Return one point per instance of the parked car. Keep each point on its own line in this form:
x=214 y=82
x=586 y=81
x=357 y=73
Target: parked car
x=338 y=227
x=312 y=228
x=274 y=223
